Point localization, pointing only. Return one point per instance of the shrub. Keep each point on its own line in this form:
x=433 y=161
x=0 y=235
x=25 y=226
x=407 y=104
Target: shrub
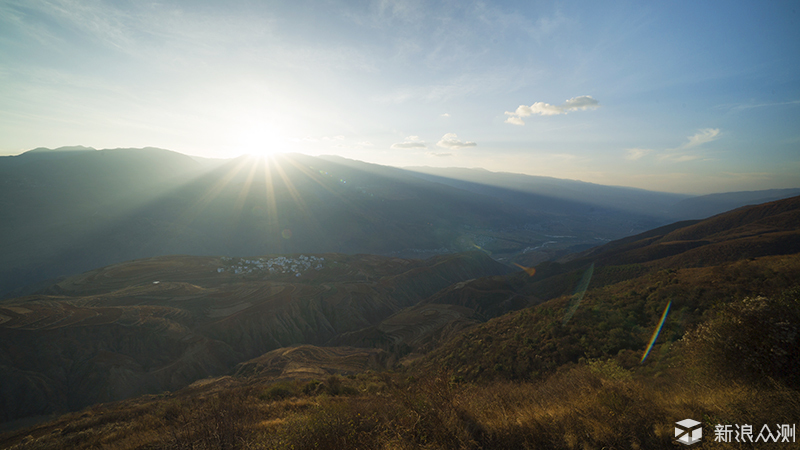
x=752 y=340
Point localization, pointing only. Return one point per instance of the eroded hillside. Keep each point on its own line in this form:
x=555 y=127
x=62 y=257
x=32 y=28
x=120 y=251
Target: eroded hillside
x=158 y=324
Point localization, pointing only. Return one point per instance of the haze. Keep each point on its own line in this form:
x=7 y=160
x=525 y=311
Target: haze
x=680 y=97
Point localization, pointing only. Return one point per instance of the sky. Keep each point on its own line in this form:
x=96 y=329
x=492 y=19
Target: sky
x=679 y=96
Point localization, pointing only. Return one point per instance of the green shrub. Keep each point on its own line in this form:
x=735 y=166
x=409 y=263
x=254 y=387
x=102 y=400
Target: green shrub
x=609 y=369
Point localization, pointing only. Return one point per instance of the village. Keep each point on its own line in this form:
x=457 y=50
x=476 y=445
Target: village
x=277 y=265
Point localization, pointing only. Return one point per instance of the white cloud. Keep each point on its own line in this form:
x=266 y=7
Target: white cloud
x=445 y=115
x=515 y=121
x=440 y=155
x=410 y=142
x=581 y=103
x=450 y=140
x=637 y=153
x=701 y=137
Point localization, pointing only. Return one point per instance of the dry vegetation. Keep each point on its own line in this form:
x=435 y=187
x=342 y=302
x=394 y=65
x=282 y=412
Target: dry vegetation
x=727 y=354
x=596 y=403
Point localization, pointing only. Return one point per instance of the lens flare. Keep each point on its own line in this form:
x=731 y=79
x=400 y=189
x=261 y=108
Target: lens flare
x=656 y=332
x=529 y=270
x=580 y=291
x=482 y=249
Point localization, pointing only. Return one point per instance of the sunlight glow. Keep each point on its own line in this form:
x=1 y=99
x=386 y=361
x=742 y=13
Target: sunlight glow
x=577 y=296
x=260 y=139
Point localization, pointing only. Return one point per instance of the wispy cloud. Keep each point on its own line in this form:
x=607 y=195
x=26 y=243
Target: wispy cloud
x=466 y=85
x=688 y=151
x=701 y=137
x=682 y=153
x=745 y=106
x=450 y=140
x=637 y=153
x=410 y=142
x=445 y=115
x=581 y=103
x=440 y=155
x=678 y=157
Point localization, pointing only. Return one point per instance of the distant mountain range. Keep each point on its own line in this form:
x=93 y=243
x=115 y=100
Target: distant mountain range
x=73 y=209
x=563 y=192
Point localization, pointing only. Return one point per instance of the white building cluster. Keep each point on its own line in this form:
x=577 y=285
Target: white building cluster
x=278 y=265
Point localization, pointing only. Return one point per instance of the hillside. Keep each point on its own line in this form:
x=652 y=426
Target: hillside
x=616 y=320
x=704 y=206
x=735 y=237
x=161 y=323
x=767 y=229
x=567 y=371
x=158 y=324
x=693 y=265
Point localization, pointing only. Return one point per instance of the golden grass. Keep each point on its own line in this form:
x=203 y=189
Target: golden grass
x=594 y=405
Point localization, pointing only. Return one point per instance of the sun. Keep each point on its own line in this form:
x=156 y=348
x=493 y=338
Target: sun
x=260 y=140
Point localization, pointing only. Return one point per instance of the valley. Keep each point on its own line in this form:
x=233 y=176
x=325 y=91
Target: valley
x=158 y=324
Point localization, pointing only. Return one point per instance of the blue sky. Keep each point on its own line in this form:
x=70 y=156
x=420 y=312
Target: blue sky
x=694 y=96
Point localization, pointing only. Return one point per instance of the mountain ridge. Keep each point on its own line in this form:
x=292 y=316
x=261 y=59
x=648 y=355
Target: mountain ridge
x=67 y=212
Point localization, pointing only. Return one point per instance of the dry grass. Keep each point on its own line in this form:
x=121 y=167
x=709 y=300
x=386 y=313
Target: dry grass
x=594 y=405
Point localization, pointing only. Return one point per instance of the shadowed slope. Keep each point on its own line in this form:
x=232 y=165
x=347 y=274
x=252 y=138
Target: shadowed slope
x=65 y=212
x=769 y=229
x=158 y=324
x=692 y=265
